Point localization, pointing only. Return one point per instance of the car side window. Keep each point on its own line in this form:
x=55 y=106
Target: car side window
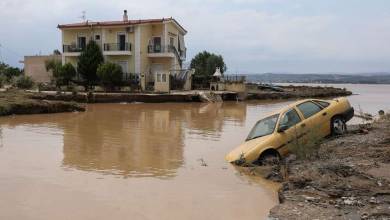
x=322 y=103
x=309 y=109
x=290 y=119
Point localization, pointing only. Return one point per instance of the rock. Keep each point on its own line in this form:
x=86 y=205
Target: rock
x=291 y=158
x=209 y=97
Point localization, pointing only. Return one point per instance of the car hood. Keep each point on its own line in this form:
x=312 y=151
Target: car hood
x=241 y=150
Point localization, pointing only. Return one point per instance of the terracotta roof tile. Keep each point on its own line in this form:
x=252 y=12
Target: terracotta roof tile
x=116 y=23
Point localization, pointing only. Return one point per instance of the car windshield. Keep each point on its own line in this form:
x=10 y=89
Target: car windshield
x=263 y=127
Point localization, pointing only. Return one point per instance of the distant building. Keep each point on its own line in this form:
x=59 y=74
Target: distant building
x=152 y=48
x=34 y=66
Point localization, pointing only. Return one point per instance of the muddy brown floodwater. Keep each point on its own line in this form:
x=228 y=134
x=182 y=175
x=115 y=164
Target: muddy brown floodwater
x=135 y=161
x=138 y=161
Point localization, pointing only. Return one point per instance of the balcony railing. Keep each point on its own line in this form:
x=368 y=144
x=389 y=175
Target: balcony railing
x=71 y=49
x=117 y=47
x=161 y=48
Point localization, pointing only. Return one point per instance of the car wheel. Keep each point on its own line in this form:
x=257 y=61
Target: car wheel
x=269 y=159
x=338 y=126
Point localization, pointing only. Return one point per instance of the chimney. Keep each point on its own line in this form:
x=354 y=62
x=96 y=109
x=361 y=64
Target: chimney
x=125 y=17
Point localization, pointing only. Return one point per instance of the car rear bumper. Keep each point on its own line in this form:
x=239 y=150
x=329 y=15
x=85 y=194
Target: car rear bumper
x=349 y=114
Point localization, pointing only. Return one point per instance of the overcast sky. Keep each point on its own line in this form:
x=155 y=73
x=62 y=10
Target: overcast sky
x=254 y=36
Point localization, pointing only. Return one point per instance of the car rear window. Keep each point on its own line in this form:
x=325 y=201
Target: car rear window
x=309 y=109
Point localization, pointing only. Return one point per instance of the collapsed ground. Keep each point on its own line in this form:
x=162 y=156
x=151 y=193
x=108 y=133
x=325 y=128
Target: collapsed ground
x=19 y=102
x=348 y=177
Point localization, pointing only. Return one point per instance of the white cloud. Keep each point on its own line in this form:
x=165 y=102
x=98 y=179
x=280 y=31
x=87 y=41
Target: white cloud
x=246 y=36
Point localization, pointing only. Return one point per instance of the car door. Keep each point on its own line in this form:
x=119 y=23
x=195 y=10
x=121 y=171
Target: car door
x=287 y=137
x=313 y=126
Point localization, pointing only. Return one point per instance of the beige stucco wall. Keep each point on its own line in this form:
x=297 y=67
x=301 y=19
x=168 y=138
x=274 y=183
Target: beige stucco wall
x=34 y=66
x=174 y=33
x=162 y=86
x=71 y=60
x=235 y=87
x=129 y=59
x=146 y=34
x=109 y=35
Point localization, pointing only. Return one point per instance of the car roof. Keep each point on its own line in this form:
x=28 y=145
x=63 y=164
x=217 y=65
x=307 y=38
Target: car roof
x=282 y=110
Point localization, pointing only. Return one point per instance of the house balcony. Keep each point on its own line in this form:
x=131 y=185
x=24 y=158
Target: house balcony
x=71 y=50
x=161 y=51
x=117 y=49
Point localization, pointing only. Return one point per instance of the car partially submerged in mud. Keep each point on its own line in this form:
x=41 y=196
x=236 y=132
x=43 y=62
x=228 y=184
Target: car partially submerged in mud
x=297 y=124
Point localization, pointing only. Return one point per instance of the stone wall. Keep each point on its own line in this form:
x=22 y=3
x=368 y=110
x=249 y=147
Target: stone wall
x=34 y=66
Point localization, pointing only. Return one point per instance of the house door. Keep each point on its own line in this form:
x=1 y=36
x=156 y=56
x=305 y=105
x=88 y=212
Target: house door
x=122 y=42
x=81 y=42
x=157 y=44
x=157 y=70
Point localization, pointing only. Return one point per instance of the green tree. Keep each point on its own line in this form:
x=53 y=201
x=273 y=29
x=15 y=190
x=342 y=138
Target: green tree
x=205 y=63
x=56 y=52
x=55 y=66
x=9 y=72
x=67 y=72
x=110 y=75
x=89 y=60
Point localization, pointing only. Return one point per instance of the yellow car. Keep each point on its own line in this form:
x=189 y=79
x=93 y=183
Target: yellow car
x=298 y=123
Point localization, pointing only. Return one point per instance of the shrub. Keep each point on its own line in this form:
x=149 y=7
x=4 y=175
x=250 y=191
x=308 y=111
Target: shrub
x=2 y=80
x=24 y=82
x=67 y=73
x=110 y=75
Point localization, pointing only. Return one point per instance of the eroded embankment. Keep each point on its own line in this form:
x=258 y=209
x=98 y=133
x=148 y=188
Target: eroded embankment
x=347 y=178
x=16 y=102
x=293 y=92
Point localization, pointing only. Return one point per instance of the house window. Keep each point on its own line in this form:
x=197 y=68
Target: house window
x=97 y=37
x=121 y=41
x=158 y=77
x=164 y=78
x=171 y=41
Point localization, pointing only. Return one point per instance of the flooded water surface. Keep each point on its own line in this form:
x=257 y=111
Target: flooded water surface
x=134 y=161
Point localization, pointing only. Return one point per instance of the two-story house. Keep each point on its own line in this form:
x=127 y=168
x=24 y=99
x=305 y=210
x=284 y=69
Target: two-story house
x=152 y=48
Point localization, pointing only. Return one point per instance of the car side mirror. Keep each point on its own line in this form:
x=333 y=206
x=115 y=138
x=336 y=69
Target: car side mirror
x=282 y=128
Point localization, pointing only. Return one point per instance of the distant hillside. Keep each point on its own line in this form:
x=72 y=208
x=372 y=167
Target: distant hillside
x=366 y=78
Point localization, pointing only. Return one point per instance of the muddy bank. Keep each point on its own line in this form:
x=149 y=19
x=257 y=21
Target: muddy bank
x=98 y=97
x=347 y=178
x=291 y=92
x=17 y=102
x=253 y=93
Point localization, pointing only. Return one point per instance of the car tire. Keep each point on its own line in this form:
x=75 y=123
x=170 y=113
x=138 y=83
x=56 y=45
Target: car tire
x=338 y=126
x=269 y=159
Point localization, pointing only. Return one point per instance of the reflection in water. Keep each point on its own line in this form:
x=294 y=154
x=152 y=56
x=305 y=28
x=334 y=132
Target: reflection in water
x=136 y=140
x=55 y=166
